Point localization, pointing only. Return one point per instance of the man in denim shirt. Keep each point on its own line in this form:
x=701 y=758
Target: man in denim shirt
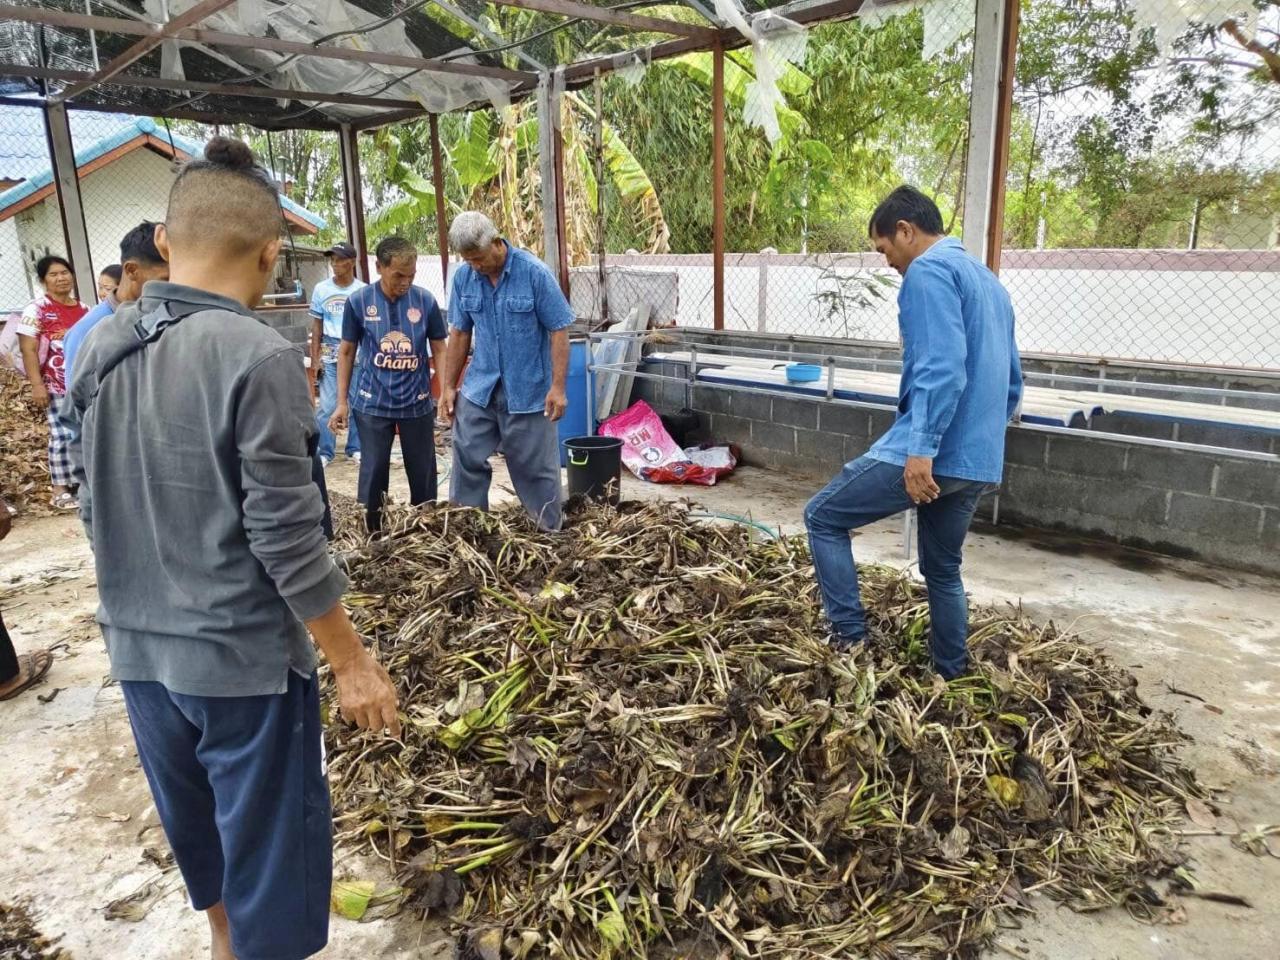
x=961 y=384
x=513 y=392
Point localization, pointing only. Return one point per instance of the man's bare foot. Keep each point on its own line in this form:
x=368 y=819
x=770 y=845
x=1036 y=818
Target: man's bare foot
x=219 y=933
x=31 y=668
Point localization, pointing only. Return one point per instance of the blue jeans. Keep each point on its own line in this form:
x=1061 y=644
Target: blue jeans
x=867 y=490
x=329 y=403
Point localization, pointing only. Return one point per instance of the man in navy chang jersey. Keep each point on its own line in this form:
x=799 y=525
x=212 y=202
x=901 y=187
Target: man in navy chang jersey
x=397 y=328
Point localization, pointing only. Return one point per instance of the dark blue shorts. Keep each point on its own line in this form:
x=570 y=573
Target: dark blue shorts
x=240 y=787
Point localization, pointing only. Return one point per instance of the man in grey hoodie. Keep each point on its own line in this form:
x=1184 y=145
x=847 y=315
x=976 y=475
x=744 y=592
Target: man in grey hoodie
x=196 y=434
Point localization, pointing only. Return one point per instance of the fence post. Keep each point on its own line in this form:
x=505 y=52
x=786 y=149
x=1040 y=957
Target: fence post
x=762 y=290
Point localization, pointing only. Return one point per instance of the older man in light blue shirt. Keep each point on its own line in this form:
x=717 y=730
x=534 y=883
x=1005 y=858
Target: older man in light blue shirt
x=961 y=384
x=507 y=304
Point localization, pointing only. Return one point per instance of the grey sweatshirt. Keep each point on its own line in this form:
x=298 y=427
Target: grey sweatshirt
x=197 y=496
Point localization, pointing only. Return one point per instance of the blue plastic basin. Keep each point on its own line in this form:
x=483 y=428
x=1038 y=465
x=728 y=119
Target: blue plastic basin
x=803 y=372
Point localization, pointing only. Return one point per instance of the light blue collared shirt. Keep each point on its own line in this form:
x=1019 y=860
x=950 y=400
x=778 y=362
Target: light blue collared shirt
x=961 y=374
x=512 y=324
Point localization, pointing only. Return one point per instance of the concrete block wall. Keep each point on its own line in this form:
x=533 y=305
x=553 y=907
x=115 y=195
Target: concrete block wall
x=1220 y=508
x=293 y=323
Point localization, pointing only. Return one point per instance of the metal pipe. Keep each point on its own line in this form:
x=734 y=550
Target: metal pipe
x=437 y=181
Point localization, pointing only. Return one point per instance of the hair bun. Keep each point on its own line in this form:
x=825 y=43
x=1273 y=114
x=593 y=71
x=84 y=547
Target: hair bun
x=226 y=152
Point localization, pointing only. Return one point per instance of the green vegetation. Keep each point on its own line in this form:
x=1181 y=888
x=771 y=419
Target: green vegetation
x=1113 y=143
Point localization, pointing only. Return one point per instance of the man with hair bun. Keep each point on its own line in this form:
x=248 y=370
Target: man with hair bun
x=195 y=432
x=398 y=329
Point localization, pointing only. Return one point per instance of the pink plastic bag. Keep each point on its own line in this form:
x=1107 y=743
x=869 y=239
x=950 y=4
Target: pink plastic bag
x=651 y=454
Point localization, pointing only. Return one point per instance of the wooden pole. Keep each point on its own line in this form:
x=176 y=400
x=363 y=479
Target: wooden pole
x=1004 y=125
x=442 y=210
x=717 y=182
x=562 y=245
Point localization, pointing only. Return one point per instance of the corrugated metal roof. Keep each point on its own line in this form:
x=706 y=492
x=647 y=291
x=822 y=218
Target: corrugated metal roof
x=23 y=151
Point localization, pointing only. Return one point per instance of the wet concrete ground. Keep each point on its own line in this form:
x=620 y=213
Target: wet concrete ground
x=76 y=815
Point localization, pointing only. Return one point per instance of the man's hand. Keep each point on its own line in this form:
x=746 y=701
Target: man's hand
x=40 y=396
x=449 y=403
x=366 y=696
x=338 y=421
x=556 y=404
x=918 y=475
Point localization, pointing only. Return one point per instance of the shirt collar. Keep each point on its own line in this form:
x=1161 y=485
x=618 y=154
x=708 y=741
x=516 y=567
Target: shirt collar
x=946 y=243
x=156 y=292
x=113 y=301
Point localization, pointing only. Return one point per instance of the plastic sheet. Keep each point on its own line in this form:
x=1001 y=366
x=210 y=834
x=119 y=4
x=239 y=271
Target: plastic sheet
x=1171 y=18
x=945 y=21
x=775 y=42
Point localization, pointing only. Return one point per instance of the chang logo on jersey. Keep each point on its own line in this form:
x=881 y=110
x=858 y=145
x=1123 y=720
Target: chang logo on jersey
x=395 y=352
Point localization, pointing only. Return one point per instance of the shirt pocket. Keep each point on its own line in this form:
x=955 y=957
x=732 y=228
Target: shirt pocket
x=473 y=306
x=521 y=308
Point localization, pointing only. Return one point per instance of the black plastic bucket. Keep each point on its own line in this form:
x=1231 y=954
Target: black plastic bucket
x=595 y=467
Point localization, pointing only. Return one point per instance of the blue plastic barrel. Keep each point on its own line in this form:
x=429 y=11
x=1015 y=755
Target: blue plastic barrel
x=574 y=422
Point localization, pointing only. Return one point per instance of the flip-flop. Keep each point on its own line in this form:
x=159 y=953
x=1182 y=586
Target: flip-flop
x=64 y=501
x=37 y=665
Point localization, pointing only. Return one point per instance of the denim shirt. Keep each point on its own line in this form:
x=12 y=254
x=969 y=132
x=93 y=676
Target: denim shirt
x=961 y=375
x=511 y=326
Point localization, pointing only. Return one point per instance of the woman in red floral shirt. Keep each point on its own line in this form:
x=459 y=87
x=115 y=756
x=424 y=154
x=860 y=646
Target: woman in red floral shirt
x=44 y=324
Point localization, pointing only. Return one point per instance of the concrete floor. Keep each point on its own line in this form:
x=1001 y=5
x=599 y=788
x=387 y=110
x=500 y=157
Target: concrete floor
x=77 y=815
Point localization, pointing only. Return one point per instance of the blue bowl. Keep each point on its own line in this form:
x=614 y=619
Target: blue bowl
x=803 y=372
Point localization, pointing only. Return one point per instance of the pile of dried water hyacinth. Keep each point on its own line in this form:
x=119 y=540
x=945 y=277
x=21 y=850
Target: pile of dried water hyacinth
x=20 y=939
x=630 y=740
x=24 y=443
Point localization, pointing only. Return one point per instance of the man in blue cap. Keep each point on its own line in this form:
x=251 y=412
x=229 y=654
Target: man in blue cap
x=328 y=304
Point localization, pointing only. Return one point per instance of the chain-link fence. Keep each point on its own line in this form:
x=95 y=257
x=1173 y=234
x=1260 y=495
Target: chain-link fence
x=1144 y=181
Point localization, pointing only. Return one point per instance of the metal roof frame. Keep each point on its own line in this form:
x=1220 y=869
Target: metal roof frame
x=686 y=37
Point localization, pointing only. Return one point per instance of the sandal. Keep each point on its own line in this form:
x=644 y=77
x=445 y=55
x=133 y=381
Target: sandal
x=65 y=501
x=35 y=666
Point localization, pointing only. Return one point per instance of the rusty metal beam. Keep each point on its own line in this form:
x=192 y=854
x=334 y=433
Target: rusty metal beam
x=216 y=38
x=229 y=89
x=717 y=183
x=585 y=70
x=617 y=18
x=160 y=33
